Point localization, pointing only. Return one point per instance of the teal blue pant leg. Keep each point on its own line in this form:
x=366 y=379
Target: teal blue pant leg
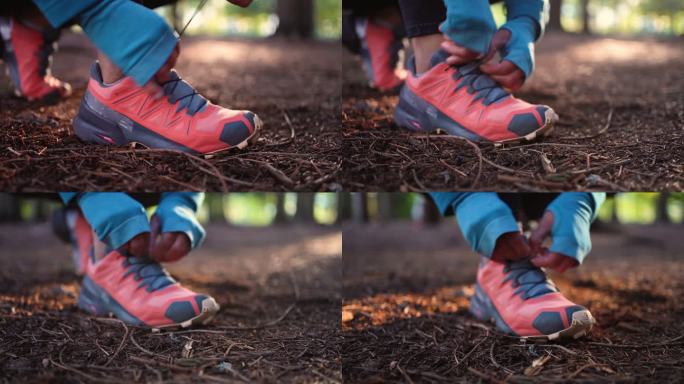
x=135 y=38
x=177 y=212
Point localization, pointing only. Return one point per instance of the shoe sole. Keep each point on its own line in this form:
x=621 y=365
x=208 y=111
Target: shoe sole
x=418 y=115
x=96 y=301
x=483 y=309
x=97 y=123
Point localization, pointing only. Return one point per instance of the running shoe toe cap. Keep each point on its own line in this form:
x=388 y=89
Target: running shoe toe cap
x=237 y=131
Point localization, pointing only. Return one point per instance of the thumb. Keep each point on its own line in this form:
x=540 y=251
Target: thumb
x=545 y=259
x=543 y=230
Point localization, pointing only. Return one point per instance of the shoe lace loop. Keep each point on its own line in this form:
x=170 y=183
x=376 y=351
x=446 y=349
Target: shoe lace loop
x=476 y=81
x=180 y=91
x=148 y=272
x=529 y=280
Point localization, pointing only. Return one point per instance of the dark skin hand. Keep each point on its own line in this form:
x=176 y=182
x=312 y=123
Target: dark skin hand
x=503 y=72
x=511 y=246
x=161 y=247
x=543 y=258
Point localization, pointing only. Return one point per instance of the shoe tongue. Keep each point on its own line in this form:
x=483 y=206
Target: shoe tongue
x=178 y=89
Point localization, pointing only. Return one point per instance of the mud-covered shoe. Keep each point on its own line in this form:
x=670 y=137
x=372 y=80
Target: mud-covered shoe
x=140 y=292
x=123 y=112
x=27 y=55
x=70 y=226
x=380 y=46
x=522 y=301
x=465 y=102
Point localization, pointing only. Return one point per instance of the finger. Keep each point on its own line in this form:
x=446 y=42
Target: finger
x=161 y=247
x=511 y=81
x=462 y=52
x=566 y=264
x=179 y=249
x=543 y=230
x=519 y=248
x=138 y=245
x=501 y=68
x=545 y=260
x=155 y=226
x=153 y=89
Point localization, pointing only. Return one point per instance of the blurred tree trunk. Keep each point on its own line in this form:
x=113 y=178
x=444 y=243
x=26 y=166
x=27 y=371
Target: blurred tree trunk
x=614 y=215
x=586 y=17
x=359 y=207
x=555 y=16
x=661 y=209
x=296 y=18
x=431 y=215
x=9 y=207
x=215 y=204
x=176 y=17
x=305 y=208
x=385 y=207
x=343 y=207
x=280 y=216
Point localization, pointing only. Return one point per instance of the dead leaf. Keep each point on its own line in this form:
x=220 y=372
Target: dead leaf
x=547 y=165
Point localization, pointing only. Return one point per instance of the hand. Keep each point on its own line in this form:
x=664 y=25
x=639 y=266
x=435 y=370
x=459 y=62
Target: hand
x=169 y=246
x=504 y=72
x=459 y=55
x=153 y=86
x=543 y=258
x=139 y=245
x=511 y=246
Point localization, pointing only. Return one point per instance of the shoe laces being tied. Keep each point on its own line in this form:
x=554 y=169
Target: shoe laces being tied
x=179 y=90
x=470 y=76
x=529 y=280
x=148 y=272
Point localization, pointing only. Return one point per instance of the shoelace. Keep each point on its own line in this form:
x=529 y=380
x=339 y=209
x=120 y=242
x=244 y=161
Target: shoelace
x=530 y=281
x=179 y=90
x=148 y=272
x=487 y=89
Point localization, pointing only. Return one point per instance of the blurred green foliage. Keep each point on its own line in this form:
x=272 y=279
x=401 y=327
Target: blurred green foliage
x=218 y=18
x=628 y=17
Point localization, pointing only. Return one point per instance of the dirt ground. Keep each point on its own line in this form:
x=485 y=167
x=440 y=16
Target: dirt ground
x=293 y=86
x=621 y=108
x=279 y=291
x=405 y=312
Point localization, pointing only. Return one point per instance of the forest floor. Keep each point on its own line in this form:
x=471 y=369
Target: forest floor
x=293 y=86
x=405 y=312
x=278 y=287
x=621 y=108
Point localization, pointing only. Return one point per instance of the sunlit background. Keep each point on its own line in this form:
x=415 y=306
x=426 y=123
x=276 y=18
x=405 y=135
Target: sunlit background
x=623 y=17
x=260 y=19
x=623 y=208
x=239 y=209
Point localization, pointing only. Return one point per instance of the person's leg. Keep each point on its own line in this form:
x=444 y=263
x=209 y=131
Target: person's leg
x=374 y=31
x=28 y=42
x=421 y=22
x=459 y=99
x=118 y=107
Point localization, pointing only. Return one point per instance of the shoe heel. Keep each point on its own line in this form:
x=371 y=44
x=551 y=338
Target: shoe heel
x=89 y=300
x=409 y=116
x=479 y=307
x=92 y=128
